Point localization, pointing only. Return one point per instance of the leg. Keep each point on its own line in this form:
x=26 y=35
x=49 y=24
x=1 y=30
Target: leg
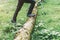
x=20 y=3
x=31 y=7
x=30 y=10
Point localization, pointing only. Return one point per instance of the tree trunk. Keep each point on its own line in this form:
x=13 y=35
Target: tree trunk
x=25 y=31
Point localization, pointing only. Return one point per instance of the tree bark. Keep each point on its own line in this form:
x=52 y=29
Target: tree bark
x=25 y=31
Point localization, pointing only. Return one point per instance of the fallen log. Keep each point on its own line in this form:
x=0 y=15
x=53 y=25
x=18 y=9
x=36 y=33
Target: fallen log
x=25 y=31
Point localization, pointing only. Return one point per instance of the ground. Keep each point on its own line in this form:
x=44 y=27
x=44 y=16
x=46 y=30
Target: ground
x=47 y=25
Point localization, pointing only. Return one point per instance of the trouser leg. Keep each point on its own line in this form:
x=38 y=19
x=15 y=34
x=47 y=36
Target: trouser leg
x=19 y=6
x=31 y=8
x=32 y=2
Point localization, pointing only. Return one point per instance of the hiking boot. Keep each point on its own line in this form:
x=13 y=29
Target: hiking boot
x=31 y=15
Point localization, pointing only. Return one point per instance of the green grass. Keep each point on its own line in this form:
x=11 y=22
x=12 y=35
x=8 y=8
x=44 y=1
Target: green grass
x=48 y=21
x=7 y=9
x=47 y=25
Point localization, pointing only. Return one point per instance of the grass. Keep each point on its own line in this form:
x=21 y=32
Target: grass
x=7 y=9
x=48 y=20
x=47 y=25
